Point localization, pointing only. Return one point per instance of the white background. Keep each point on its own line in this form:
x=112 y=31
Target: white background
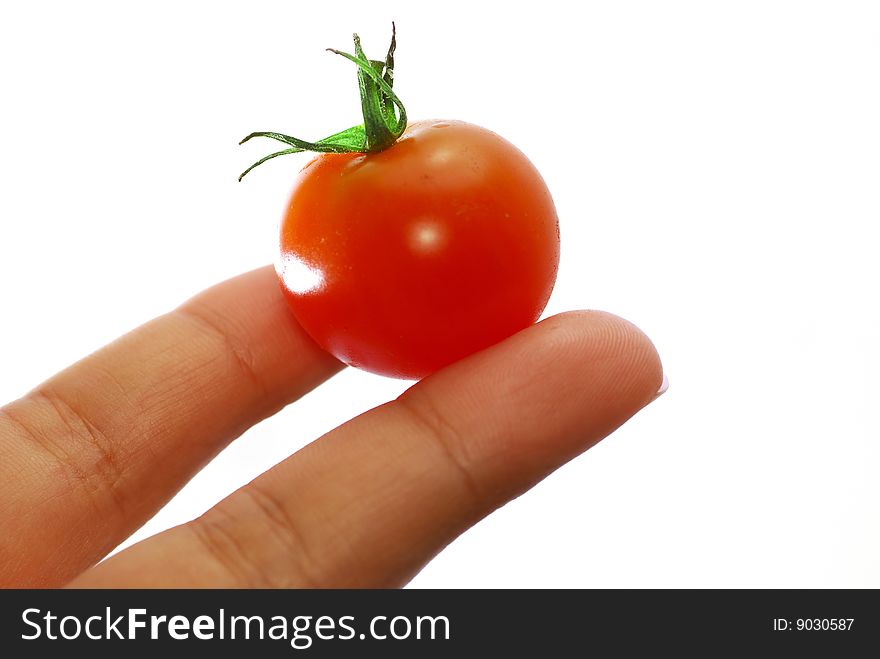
x=716 y=167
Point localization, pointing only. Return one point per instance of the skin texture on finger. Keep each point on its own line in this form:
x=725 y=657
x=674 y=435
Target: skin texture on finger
x=91 y=454
x=371 y=502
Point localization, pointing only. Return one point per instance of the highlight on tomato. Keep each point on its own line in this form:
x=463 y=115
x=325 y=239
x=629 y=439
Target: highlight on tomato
x=407 y=246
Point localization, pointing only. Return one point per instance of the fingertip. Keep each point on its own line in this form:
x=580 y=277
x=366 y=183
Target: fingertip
x=619 y=350
x=547 y=393
x=595 y=351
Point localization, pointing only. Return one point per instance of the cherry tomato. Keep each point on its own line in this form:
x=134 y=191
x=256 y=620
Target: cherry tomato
x=403 y=261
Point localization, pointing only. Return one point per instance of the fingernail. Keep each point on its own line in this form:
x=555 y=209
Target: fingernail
x=664 y=385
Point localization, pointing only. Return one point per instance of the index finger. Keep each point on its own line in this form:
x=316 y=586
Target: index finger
x=91 y=454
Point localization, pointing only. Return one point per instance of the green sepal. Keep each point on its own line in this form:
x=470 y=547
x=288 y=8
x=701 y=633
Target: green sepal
x=383 y=112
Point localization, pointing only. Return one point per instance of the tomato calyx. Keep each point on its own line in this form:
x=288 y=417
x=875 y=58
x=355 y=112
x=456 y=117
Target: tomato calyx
x=383 y=112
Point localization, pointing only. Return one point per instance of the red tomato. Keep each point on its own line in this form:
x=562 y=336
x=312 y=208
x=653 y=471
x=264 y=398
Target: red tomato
x=403 y=261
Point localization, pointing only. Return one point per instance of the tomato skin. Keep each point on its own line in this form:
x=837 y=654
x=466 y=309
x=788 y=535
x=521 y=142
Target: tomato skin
x=406 y=260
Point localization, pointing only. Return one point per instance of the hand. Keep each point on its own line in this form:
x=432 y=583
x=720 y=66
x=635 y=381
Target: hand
x=90 y=455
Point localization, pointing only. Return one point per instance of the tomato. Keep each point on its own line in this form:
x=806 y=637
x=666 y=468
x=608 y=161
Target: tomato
x=403 y=261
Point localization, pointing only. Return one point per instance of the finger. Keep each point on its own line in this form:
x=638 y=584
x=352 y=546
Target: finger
x=371 y=502
x=91 y=454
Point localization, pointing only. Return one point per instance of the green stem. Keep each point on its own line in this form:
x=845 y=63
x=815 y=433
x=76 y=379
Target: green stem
x=383 y=112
